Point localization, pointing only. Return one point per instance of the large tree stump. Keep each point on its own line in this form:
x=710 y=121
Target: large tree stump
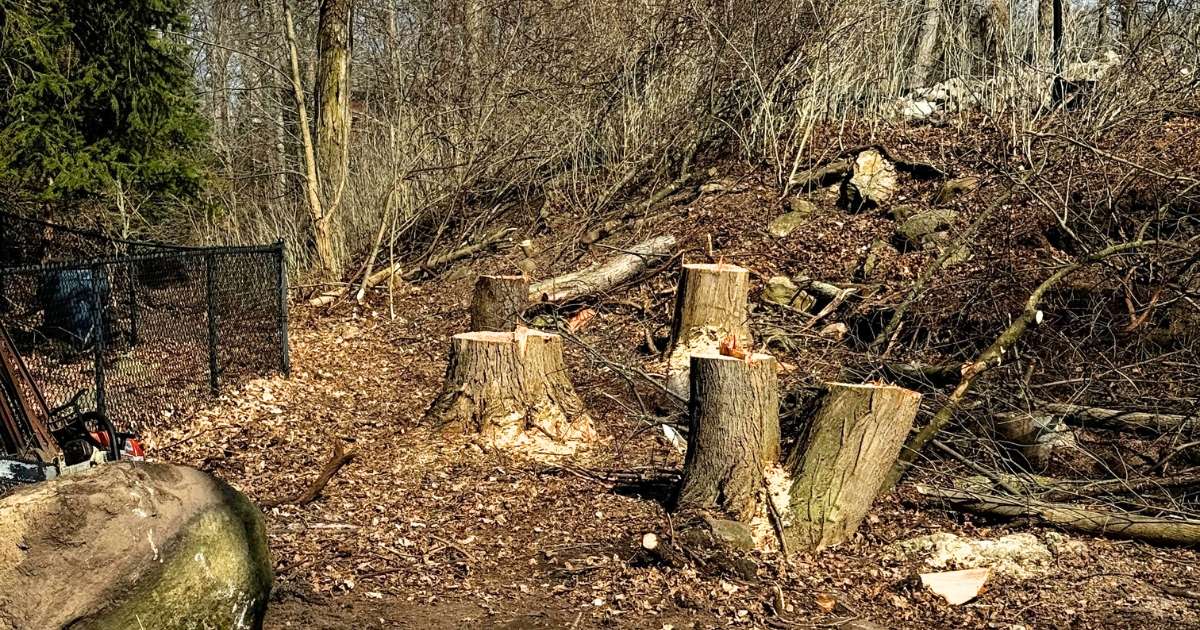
x=734 y=409
x=710 y=304
x=851 y=444
x=498 y=302
x=512 y=389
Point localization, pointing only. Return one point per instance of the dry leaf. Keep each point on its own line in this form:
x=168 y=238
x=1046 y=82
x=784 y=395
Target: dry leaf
x=826 y=602
x=580 y=319
x=958 y=587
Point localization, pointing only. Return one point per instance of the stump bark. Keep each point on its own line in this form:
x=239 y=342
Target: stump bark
x=512 y=389
x=498 y=302
x=734 y=422
x=851 y=444
x=710 y=304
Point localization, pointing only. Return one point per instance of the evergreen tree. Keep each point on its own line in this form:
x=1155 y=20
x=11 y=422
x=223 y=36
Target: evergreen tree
x=96 y=97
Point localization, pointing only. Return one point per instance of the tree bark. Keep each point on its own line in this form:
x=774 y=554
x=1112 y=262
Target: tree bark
x=1134 y=526
x=318 y=218
x=598 y=278
x=926 y=44
x=512 y=389
x=498 y=302
x=850 y=446
x=333 y=100
x=734 y=422
x=1128 y=421
x=710 y=305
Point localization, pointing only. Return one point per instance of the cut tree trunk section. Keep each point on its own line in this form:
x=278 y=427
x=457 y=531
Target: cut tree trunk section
x=598 y=278
x=710 y=305
x=511 y=388
x=851 y=444
x=734 y=433
x=498 y=302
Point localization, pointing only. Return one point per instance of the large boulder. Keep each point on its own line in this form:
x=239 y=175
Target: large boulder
x=132 y=545
x=872 y=181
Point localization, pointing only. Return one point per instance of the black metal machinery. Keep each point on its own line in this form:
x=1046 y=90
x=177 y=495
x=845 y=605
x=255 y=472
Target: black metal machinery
x=40 y=443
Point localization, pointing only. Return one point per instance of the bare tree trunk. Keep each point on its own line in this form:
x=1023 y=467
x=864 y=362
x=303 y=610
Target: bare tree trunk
x=322 y=237
x=511 y=389
x=734 y=433
x=926 y=44
x=333 y=101
x=710 y=305
x=851 y=444
x=1049 y=35
x=498 y=302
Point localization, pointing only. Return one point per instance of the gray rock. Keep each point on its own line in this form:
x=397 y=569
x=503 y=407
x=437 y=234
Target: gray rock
x=919 y=229
x=954 y=188
x=784 y=224
x=781 y=290
x=879 y=252
x=731 y=533
x=130 y=545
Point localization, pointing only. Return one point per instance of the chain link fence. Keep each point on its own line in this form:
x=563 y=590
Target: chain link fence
x=139 y=331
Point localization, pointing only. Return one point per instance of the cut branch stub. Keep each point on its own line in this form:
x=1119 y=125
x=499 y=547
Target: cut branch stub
x=498 y=302
x=511 y=389
x=851 y=444
x=710 y=305
x=734 y=407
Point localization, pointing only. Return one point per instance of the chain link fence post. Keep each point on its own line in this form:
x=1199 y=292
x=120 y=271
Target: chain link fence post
x=281 y=286
x=210 y=276
x=97 y=321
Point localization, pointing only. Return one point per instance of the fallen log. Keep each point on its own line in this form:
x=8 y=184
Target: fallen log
x=600 y=277
x=1126 y=421
x=1071 y=517
x=396 y=269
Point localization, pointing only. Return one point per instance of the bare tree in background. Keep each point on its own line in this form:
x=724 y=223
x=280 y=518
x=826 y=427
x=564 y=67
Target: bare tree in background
x=333 y=107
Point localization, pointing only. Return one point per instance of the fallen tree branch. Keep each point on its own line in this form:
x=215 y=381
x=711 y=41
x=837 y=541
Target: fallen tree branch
x=992 y=356
x=1066 y=516
x=340 y=458
x=1127 y=421
x=396 y=269
x=600 y=277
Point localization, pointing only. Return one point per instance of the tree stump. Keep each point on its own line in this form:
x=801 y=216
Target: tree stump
x=498 y=302
x=734 y=422
x=710 y=304
x=511 y=388
x=851 y=444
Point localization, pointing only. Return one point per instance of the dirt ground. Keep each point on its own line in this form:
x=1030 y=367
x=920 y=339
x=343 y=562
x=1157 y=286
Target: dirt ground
x=424 y=531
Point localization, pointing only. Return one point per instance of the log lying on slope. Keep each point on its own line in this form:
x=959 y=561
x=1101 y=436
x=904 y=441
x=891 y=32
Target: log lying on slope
x=1116 y=420
x=600 y=277
x=1133 y=526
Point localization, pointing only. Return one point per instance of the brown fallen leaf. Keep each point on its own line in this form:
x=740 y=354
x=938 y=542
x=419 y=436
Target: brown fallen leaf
x=957 y=587
x=826 y=602
x=580 y=319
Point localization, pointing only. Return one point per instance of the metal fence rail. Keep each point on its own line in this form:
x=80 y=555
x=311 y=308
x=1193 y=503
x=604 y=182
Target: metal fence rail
x=139 y=331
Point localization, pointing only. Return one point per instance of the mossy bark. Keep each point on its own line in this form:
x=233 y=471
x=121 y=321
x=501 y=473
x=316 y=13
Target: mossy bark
x=851 y=444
